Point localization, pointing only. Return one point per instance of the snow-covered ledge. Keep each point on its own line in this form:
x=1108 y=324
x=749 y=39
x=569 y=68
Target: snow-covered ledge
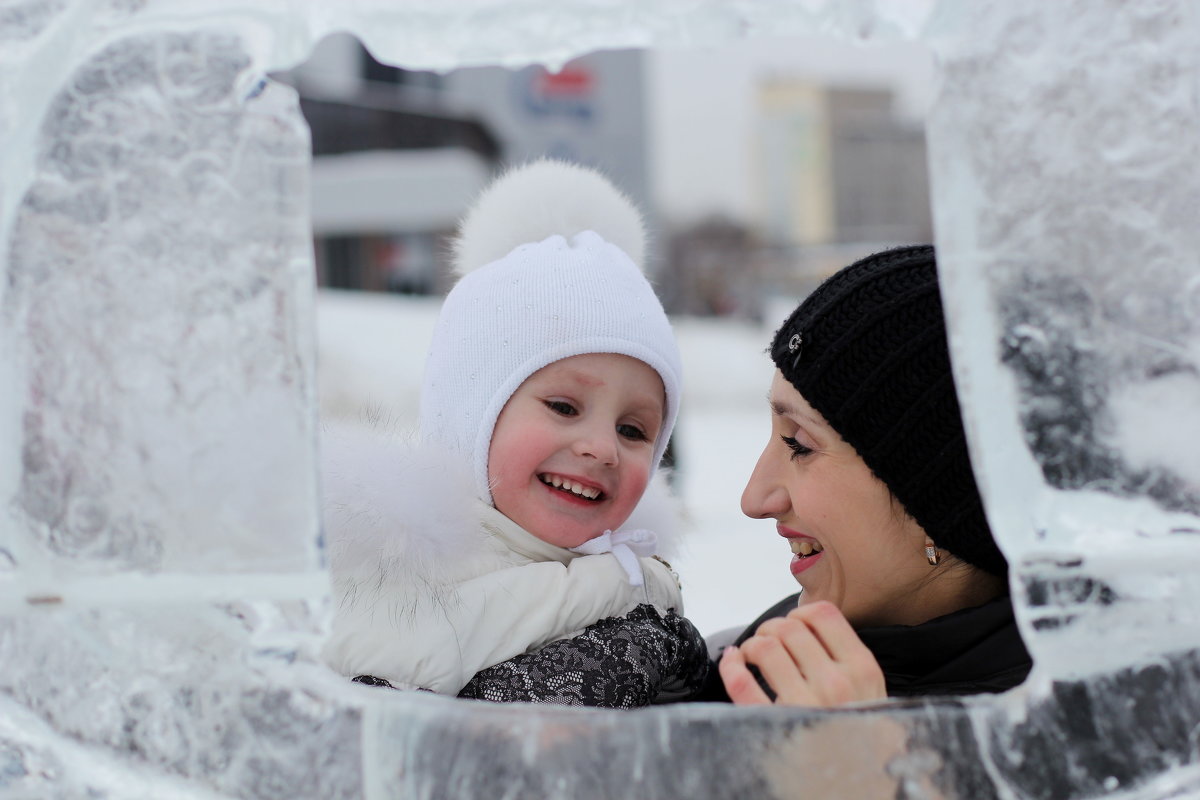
x=161 y=569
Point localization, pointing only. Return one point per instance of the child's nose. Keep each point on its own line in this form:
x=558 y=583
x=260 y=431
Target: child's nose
x=598 y=443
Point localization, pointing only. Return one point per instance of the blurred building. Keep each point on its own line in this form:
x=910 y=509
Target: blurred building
x=839 y=175
x=838 y=166
x=398 y=155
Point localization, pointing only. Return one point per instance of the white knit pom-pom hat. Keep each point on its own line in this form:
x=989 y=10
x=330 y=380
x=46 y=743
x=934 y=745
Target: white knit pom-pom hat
x=549 y=259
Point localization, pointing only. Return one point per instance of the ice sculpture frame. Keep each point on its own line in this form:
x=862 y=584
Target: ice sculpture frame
x=161 y=567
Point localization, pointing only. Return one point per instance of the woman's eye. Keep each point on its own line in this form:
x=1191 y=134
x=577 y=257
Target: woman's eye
x=632 y=432
x=796 y=448
x=561 y=407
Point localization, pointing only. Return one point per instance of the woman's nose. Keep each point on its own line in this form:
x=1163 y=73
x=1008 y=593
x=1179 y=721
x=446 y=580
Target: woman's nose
x=764 y=496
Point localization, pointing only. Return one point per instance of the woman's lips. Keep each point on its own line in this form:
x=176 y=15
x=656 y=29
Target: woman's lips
x=801 y=563
x=806 y=551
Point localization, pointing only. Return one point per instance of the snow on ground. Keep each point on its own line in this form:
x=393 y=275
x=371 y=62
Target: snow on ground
x=371 y=350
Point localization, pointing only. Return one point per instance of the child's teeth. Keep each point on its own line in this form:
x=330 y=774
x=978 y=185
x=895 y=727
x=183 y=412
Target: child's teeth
x=817 y=547
x=572 y=487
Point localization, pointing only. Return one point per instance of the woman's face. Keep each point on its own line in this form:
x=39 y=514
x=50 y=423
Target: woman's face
x=851 y=543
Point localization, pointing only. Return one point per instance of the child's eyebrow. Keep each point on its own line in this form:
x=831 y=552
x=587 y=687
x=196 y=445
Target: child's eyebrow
x=648 y=403
x=582 y=377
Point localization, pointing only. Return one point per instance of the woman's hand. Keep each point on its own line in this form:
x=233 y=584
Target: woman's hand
x=811 y=657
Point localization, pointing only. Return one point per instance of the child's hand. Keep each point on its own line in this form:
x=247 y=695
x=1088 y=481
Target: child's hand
x=811 y=657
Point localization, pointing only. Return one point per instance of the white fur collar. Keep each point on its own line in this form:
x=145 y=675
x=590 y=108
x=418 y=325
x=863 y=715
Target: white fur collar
x=400 y=514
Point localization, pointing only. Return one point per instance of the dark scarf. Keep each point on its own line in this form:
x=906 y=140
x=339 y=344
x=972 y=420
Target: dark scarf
x=966 y=652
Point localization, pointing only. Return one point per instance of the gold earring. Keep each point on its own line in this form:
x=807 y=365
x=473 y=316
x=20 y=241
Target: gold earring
x=931 y=553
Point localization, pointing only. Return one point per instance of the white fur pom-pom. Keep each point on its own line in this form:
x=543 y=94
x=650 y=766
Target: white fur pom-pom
x=540 y=199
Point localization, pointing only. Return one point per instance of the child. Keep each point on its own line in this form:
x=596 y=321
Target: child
x=550 y=391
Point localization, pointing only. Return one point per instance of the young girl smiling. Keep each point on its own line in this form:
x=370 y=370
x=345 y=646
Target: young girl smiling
x=520 y=514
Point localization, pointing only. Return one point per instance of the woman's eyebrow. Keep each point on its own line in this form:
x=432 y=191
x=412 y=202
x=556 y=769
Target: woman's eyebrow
x=782 y=409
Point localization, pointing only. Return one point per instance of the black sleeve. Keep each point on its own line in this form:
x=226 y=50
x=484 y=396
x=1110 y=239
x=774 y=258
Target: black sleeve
x=713 y=690
x=620 y=662
x=780 y=609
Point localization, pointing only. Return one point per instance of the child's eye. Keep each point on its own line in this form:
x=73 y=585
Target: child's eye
x=632 y=432
x=561 y=407
x=797 y=449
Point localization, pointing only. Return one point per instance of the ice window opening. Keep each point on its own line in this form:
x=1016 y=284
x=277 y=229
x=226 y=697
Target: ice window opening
x=163 y=569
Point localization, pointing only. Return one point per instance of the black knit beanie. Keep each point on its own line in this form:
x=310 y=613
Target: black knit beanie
x=868 y=351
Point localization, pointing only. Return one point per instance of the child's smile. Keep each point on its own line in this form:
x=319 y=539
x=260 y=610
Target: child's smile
x=573 y=487
x=570 y=455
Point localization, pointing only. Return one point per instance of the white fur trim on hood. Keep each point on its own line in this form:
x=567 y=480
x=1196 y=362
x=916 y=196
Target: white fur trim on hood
x=394 y=512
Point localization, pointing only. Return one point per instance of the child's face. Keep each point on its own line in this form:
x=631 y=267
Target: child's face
x=570 y=455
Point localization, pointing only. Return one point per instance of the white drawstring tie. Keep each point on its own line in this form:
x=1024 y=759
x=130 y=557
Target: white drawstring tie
x=627 y=546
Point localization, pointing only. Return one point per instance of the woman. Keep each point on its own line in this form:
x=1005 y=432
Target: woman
x=867 y=477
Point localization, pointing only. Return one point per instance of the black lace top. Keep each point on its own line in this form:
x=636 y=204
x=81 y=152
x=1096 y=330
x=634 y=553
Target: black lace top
x=624 y=662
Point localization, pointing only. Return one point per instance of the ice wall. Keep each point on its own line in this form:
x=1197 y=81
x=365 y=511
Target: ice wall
x=160 y=565
x=1067 y=137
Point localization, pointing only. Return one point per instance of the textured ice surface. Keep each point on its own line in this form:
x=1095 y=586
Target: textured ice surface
x=160 y=564
x=156 y=314
x=1067 y=135
x=188 y=692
